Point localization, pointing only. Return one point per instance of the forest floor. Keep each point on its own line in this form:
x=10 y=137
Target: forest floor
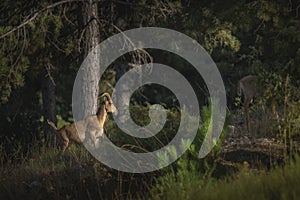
x=255 y=152
x=45 y=175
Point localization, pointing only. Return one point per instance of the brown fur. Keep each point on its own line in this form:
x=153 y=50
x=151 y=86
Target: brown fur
x=249 y=87
x=66 y=134
x=90 y=125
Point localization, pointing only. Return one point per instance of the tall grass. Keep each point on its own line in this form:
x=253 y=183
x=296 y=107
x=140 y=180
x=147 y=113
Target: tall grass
x=280 y=183
x=75 y=175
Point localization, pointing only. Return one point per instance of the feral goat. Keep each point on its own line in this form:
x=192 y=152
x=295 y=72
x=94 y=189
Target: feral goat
x=249 y=87
x=92 y=126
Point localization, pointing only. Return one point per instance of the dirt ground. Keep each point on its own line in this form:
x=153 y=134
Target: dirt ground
x=256 y=152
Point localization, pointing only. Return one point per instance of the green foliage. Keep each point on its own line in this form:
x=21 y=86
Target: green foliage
x=29 y=50
x=188 y=170
x=12 y=65
x=276 y=108
x=60 y=121
x=277 y=184
x=140 y=116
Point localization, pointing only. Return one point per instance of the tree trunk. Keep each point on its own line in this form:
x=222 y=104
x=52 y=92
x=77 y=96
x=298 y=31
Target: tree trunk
x=49 y=105
x=90 y=21
x=90 y=75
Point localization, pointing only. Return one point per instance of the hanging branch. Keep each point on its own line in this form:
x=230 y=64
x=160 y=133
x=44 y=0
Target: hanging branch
x=35 y=14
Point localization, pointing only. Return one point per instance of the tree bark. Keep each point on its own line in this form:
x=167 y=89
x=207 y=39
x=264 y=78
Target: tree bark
x=49 y=108
x=90 y=21
x=90 y=75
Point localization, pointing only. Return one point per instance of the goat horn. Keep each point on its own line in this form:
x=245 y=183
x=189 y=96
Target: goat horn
x=105 y=94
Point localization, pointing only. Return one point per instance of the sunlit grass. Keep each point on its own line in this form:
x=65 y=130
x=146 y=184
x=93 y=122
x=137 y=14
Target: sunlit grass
x=279 y=183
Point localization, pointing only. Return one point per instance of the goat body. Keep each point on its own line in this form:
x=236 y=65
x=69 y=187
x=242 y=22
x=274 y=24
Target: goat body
x=89 y=128
x=68 y=133
x=249 y=87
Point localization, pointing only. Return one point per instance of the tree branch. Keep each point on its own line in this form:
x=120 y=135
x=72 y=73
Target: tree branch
x=24 y=23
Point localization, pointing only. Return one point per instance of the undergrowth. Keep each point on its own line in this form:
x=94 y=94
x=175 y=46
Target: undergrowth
x=75 y=175
x=279 y=183
x=42 y=173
